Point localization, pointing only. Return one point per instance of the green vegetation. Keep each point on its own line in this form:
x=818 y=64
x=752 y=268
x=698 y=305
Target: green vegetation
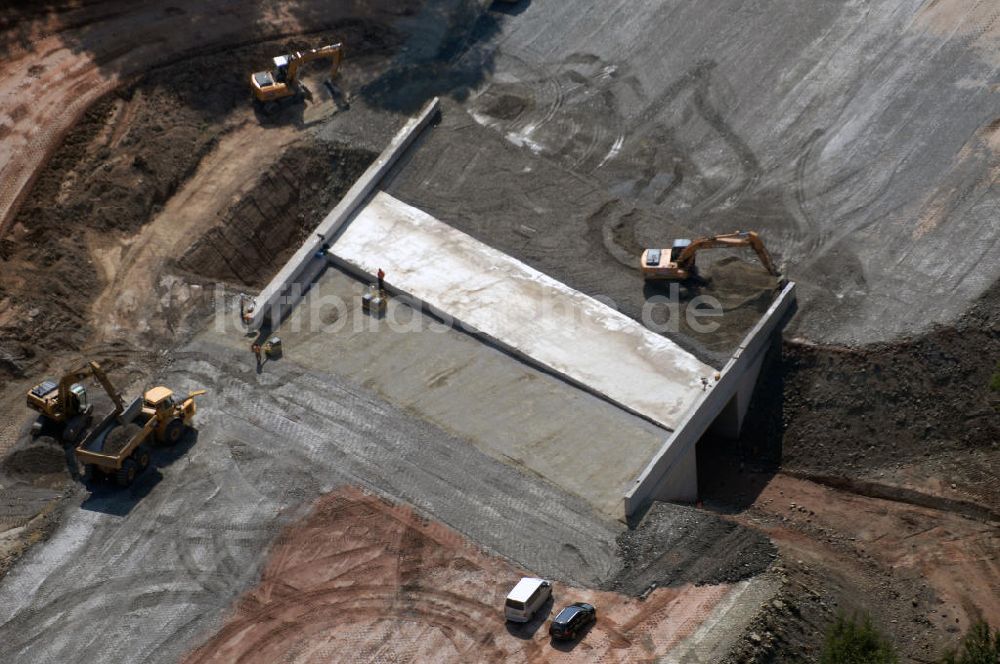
x=979 y=646
x=855 y=640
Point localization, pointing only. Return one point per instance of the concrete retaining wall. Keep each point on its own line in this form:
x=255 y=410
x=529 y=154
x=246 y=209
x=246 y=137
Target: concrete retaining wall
x=301 y=270
x=672 y=474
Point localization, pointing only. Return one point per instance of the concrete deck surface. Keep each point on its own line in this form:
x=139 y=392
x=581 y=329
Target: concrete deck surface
x=505 y=408
x=523 y=310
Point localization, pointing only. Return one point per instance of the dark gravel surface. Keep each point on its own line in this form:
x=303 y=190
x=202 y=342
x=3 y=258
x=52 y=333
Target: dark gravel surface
x=674 y=544
x=859 y=138
x=847 y=412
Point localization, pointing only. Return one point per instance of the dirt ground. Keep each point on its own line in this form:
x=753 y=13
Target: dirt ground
x=905 y=434
x=869 y=410
x=917 y=414
x=859 y=139
x=194 y=531
x=119 y=169
x=71 y=54
x=33 y=480
x=246 y=247
x=106 y=200
x=104 y=256
x=925 y=573
x=361 y=575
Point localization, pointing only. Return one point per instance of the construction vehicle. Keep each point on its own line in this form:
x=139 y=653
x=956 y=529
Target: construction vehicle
x=272 y=348
x=678 y=262
x=121 y=450
x=270 y=88
x=63 y=407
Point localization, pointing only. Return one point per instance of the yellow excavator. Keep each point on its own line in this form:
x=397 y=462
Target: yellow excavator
x=63 y=407
x=270 y=88
x=678 y=262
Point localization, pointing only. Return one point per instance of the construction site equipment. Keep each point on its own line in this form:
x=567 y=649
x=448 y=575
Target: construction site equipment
x=282 y=84
x=121 y=450
x=374 y=300
x=272 y=348
x=678 y=262
x=64 y=408
x=247 y=306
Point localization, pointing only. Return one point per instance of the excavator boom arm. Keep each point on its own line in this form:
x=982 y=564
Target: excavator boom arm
x=763 y=254
x=738 y=239
x=108 y=387
x=75 y=376
x=334 y=51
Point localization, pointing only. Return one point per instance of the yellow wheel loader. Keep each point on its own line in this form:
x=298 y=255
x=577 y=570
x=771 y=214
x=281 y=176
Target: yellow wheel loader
x=678 y=262
x=121 y=450
x=271 y=88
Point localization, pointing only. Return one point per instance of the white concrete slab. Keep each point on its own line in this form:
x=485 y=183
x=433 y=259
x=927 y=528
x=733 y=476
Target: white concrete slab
x=523 y=310
x=273 y=300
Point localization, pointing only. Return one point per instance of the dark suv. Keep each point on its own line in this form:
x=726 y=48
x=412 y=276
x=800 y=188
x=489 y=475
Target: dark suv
x=572 y=620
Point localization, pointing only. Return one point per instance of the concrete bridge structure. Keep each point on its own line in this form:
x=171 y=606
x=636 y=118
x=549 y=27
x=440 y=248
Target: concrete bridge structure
x=537 y=320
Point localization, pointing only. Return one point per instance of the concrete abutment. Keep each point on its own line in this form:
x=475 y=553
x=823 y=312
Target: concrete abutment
x=672 y=474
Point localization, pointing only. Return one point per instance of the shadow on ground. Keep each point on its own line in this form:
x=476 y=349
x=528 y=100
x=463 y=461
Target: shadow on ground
x=569 y=645
x=107 y=498
x=448 y=52
x=515 y=8
x=732 y=473
x=441 y=45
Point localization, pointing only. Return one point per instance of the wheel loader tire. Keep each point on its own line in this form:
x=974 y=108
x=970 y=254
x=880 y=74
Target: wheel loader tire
x=174 y=432
x=141 y=456
x=127 y=473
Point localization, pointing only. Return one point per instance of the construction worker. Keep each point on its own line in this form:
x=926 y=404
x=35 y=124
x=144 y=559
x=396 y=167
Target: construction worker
x=256 y=353
x=247 y=306
x=381 y=280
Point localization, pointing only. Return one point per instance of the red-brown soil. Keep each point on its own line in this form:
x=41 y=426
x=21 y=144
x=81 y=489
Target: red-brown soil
x=925 y=573
x=362 y=578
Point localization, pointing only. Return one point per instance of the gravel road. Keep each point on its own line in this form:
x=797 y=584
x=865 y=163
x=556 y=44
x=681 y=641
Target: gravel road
x=145 y=574
x=139 y=575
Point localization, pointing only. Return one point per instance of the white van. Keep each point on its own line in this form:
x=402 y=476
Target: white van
x=526 y=597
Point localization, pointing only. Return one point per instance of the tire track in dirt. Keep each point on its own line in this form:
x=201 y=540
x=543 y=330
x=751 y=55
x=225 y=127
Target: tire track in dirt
x=936 y=569
x=77 y=64
x=327 y=421
x=433 y=592
x=175 y=550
